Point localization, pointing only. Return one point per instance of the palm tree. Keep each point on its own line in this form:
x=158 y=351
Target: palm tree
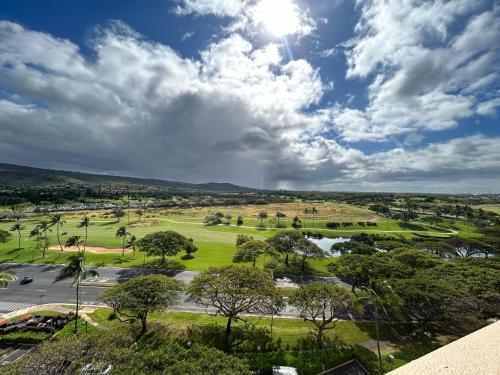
x=75 y=270
x=306 y=212
x=139 y=213
x=17 y=227
x=35 y=232
x=132 y=242
x=44 y=226
x=75 y=241
x=122 y=232
x=262 y=216
x=279 y=215
x=378 y=294
x=58 y=221
x=84 y=224
x=314 y=212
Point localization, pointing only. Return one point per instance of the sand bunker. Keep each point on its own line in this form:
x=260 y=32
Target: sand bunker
x=92 y=249
x=145 y=224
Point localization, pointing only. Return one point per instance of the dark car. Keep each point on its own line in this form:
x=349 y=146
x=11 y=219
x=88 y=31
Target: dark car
x=26 y=280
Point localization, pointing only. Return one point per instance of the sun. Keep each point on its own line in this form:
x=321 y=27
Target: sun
x=278 y=17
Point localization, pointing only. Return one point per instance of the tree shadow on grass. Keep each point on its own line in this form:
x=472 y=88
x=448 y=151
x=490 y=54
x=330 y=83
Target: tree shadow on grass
x=387 y=331
x=11 y=260
x=246 y=338
x=410 y=350
x=122 y=259
x=15 y=250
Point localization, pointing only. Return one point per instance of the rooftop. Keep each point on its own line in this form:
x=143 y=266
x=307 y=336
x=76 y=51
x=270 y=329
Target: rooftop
x=477 y=353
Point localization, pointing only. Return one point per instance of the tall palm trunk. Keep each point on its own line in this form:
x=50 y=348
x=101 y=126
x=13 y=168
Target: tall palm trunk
x=377 y=336
x=35 y=248
x=77 y=301
x=123 y=245
x=58 y=238
x=85 y=242
x=19 y=239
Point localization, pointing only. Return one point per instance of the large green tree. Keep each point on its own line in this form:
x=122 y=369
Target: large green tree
x=234 y=290
x=358 y=270
x=307 y=249
x=249 y=251
x=164 y=244
x=286 y=243
x=92 y=353
x=353 y=247
x=136 y=298
x=175 y=359
x=321 y=304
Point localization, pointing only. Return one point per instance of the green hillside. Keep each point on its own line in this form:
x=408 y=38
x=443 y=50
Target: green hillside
x=12 y=176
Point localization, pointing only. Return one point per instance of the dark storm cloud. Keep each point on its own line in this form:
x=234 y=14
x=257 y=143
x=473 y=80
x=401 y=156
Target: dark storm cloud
x=230 y=115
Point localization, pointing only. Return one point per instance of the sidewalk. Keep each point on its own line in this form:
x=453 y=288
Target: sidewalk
x=83 y=312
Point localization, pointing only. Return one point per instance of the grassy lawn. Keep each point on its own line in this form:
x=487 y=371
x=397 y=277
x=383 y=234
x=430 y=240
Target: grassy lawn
x=490 y=207
x=286 y=329
x=216 y=244
x=27 y=337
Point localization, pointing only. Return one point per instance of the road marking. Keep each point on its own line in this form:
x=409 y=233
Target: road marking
x=13 y=306
x=41 y=290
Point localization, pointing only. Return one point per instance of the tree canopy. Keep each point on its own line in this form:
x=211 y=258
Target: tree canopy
x=168 y=243
x=249 y=251
x=234 y=290
x=136 y=298
x=321 y=304
x=286 y=243
x=353 y=247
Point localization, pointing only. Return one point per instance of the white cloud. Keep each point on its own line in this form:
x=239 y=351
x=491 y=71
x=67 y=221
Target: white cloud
x=236 y=114
x=489 y=108
x=188 y=35
x=138 y=107
x=275 y=18
x=423 y=77
x=219 y=8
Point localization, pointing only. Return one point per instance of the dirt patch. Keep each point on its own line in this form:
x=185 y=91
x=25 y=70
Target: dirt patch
x=92 y=249
x=146 y=224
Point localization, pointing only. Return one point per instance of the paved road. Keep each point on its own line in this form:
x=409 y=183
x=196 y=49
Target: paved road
x=43 y=290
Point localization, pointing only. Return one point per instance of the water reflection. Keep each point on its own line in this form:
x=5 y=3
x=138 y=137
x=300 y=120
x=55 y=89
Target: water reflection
x=326 y=243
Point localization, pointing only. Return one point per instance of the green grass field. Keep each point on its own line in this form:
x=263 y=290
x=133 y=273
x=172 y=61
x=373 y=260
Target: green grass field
x=216 y=244
x=490 y=207
x=289 y=331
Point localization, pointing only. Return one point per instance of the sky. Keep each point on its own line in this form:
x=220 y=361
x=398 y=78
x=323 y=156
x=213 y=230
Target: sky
x=367 y=95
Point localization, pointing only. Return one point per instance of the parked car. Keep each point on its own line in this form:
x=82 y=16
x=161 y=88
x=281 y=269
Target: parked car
x=26 y=280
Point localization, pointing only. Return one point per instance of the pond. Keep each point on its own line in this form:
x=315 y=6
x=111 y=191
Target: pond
x=326 y=243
